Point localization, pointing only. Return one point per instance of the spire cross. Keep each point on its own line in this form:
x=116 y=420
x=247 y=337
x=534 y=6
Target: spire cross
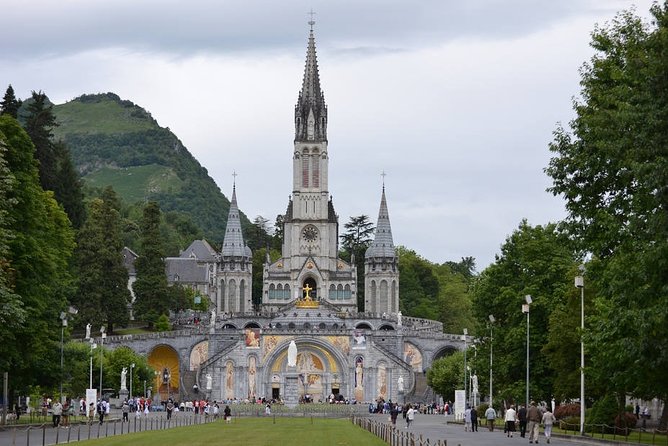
x=311 y=22
x=234 y=175
x=383 y=174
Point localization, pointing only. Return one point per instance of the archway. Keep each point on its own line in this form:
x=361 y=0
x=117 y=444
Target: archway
x=164 y=360
x=311 y=287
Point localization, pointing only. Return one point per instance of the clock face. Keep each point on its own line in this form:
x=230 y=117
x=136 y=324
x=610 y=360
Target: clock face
x=310 y=233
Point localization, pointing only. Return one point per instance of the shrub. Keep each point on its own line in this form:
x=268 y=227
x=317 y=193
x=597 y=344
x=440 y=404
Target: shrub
x=626 y=420
x=566 y=410
x=570 y=423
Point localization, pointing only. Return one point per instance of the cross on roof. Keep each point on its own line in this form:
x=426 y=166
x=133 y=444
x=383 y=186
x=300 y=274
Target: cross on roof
x=311 y=22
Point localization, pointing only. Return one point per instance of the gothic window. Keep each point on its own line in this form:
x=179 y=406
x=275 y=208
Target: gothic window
x=242 y=296
x=316 y=169
x=305 y=169
x=372 y=297
x=272 y=291
x=393 y=297
x=232 y=285
x=339 y=292
x=332 y=292
x=286 y=292
x=346 y=292
x=383 y=303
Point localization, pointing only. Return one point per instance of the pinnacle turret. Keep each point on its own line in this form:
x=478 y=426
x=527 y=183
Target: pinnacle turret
x=233 y=244
x=382 y=246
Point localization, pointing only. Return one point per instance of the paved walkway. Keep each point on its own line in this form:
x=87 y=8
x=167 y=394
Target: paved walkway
x=434 y=428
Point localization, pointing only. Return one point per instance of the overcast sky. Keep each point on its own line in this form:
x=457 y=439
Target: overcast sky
x=455 y=100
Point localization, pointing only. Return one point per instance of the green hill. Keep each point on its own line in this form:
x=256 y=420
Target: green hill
x=115 y=142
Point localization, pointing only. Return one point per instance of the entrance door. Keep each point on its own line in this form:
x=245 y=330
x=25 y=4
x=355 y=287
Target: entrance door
x=275 y=393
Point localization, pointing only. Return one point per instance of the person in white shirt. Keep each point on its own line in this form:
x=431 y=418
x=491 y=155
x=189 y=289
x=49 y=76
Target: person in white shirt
x=410 y=416
x=548 y=420
x=511 y=417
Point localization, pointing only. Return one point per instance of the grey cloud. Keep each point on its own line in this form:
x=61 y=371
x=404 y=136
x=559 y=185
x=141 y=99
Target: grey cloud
x=203 y=26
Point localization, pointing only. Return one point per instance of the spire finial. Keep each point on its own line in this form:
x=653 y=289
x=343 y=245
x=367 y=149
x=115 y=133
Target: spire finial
x=234 y=181
x=383 y=174
x=311 y=22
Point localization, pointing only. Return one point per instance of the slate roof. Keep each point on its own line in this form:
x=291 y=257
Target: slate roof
x=185 y=270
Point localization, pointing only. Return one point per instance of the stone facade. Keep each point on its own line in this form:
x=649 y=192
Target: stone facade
x=309 y=296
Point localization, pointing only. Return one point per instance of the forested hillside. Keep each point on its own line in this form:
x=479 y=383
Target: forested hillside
x=115 y=142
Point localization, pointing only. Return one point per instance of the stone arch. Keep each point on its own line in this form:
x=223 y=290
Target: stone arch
x=329 y=363
x=229 y=326
x=413 y=356
x=198 y=354
x=363 y=326
x=444 y=352
x=164 y=359
x=252 y=324
x=386 y=327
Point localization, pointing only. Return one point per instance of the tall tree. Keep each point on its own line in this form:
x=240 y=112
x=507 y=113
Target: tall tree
x=103 y=295
x=355 y=241
x=535 y=261
x=152 y=295
x=611 y=166
x=56 y=170
x=39 y=251
x=10 y=104
x=12 y=313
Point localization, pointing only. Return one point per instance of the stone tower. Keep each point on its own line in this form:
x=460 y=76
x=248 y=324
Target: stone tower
x=381 y=268
x=310 y=267
x=234 y=278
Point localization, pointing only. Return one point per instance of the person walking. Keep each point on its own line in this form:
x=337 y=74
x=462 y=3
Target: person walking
x=474 y=420
x=490 y=416
x=548 y=420
x=522 y=417
x=534 y=418
x=410 y=416
x=56 y=412
x=125 y=408
x=511 y=418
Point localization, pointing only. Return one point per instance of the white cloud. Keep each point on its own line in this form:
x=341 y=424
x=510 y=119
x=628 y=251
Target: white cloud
x=456 y=101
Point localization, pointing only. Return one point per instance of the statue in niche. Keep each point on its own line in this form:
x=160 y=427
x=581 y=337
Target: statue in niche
x=209 y=381
x=292 y=354
x=400 y=384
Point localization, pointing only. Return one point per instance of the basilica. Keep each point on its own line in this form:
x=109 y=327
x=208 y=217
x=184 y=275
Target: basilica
x=309 y=296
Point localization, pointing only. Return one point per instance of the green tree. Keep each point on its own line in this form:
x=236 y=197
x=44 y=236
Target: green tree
x=446 y=375
x=534 y=261
x=10 y=104
x=418 y=286
x=611 y=166
x=151 y=290
x=12 y=313
x=455 y=300
x=103 y=295
x=39 y=252
x=355 y=241
x=56 y=171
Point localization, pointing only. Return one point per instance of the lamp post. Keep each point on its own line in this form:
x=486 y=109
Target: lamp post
x=491 y=355
x=525 y=309
x=132 y=368
x=93 y=345
x=103 y=336
x=465 y=383
x=579 y=283
x=63 y=318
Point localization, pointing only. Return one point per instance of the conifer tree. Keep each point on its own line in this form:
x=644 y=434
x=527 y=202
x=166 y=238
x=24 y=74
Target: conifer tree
x=39 y=254
x=103 y=295
x=151 y=291
x=10 y=105
x=56 y=170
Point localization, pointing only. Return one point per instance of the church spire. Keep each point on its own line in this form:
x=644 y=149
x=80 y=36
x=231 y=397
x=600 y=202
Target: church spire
x=382 y=245
x=311 y=110
x=233 y=244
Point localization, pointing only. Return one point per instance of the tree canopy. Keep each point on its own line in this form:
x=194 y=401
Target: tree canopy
x=611 y=167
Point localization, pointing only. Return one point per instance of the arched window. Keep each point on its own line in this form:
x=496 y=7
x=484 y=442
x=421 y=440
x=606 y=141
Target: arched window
x=306 y=159
x=383 y=302
x=315 y=167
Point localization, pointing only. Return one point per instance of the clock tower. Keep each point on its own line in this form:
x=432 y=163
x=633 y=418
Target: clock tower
x=310 y=246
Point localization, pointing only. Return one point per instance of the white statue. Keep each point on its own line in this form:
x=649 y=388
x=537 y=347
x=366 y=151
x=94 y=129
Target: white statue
x=474 y=380
x=292 y=354
x=400 y=382
x=209 y=381
x=87 y=331
x=124 y=374
x=213 y=317
x=399 y=318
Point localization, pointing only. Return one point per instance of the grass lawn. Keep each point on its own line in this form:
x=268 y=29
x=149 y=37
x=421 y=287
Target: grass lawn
x=254 y=432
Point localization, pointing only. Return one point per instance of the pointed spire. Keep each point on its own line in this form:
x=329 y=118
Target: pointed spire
x=382 y=245
x=233 y=244
x=311 y=110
